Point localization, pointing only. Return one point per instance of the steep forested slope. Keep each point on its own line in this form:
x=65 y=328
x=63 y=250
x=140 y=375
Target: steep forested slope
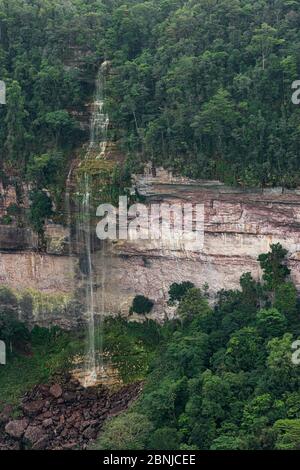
x=223 y=378
x=206 y=86
x=201 y=86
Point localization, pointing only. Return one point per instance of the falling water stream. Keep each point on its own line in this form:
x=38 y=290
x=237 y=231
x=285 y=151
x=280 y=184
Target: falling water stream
x=97 y=147
x=99 y=122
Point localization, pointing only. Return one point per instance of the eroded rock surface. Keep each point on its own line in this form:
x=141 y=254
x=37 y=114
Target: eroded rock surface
x=239 y=226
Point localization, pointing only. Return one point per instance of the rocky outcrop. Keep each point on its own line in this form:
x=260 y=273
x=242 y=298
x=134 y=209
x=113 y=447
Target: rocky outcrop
x=27 y=269
x=70 y=419
x=14 y=238
x=238 y=227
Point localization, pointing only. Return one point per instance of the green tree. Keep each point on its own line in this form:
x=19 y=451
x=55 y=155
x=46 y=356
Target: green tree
x=193 y=305
x=264 y=41
x=60 y=124
x=45 y=169
x=159 y=404
x=15 y=143
x=252 y=290
x=129 y=431
x=141 y=305
x=258 y=416
x=282 y=373
x=287 y=433
x=274 y=267
x=270 y=322
x=189 y=351
x=40 y=210
x=227 y=442
x=286 y=299
x=178 y=291
x=164 y=439
x=244 y=349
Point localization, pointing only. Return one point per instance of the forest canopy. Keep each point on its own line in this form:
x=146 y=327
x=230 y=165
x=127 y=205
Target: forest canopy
x=203 y=87
x=224 y=377
x=200 y=87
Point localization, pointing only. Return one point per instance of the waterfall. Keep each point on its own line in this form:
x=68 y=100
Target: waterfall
x=97 y=148
x=100 y=120
x=84 y=233
x=90 y=306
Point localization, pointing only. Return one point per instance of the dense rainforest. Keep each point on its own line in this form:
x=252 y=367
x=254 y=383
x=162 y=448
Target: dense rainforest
x=223 y=377
x=203 y=87
x=220 y=378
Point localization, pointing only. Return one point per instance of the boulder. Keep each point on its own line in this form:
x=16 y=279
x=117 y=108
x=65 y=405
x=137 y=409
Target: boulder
x=69 y=397
x=32 y=408
x=70 y=445
x=5 y=414
x=56 y=391
x=16 y=428
x=44 y=389
x=10 y=446
x=41 y=444
x=71 y=421
x=47 y=423
x=34 y=434
x=90 y=433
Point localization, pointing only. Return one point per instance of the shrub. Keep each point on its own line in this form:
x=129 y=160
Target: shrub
x=14 y=333
x=7 y=298
x=178 y=291
x=6 y=220
x=165 y=439
x=141 y=305
x=14 y=210
x=129 y=431
x=40 y=209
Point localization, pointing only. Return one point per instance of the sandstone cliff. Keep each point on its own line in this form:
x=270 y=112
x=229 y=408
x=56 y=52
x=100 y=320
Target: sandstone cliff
x=239 y=225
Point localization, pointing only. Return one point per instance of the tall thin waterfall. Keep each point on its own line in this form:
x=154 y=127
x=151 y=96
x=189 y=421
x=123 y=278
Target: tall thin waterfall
x=90 y=306
x=97 y=147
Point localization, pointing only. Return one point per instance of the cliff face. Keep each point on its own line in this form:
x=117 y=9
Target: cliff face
x=21 y=265
x=238 y=227
x=30 y=270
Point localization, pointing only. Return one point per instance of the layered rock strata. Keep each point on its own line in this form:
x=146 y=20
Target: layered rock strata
x=238 y=227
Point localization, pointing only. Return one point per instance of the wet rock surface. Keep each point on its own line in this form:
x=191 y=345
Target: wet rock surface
x=63 y=416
